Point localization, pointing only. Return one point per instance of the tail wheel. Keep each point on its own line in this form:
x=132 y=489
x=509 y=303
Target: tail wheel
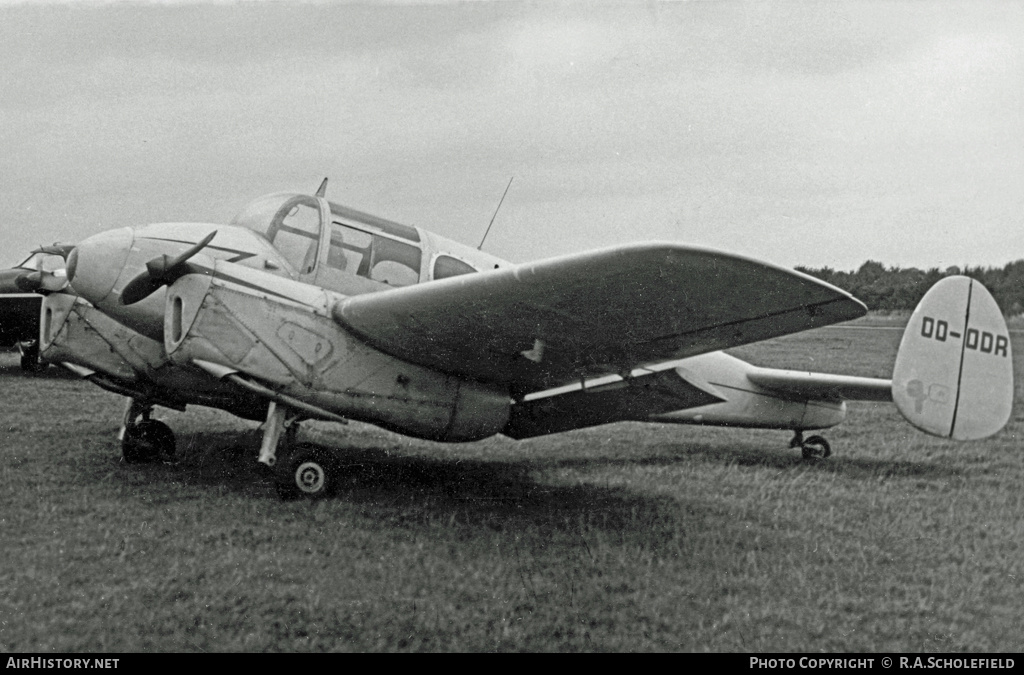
x=308 y=473
x=815 y=447
x=148 y=441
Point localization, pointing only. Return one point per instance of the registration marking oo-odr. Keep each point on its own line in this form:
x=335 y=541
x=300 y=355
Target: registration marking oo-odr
x=978 y=340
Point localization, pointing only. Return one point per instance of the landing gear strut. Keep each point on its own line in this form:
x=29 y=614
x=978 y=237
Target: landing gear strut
x=144 y=440
x=303 y=470
x=813 y=447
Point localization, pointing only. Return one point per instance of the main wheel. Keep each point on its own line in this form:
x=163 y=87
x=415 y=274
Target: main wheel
x=148 y=441
x=307 y=472
x=30 y=362
x=815 y=447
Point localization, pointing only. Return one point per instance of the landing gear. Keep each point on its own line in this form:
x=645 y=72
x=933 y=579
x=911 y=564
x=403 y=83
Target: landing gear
x=145 y=440
x=148 y=441
x=303 y=470
x=812 y=448
x=815 y=447
x=280 y=422
x=306 y=472
x=30 y=362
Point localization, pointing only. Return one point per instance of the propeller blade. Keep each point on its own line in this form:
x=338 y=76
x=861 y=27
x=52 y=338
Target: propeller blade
x=203 y=243
x=140 y=288
x=46 y=282
x=166 y=265
x=161 y=272
x=30 y=282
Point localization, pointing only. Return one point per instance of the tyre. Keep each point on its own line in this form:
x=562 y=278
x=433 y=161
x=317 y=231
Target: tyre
x=307 y=473
x=815 y=447
x=148 y=441
x=30 y=362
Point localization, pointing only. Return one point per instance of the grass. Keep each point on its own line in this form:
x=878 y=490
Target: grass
x=623 y=537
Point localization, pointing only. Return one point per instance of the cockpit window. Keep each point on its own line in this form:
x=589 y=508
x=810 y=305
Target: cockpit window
x=374 y=224
x=290 y=222
x=296 y=235
x=373 y=256
x=360 y=244
x=446 y=266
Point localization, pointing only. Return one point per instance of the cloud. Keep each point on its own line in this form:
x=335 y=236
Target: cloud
x=799 y=132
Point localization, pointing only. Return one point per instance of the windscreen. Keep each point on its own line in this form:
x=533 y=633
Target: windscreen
x=290 y=222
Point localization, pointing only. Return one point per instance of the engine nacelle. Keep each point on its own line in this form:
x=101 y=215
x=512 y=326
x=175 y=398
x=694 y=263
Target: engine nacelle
x=75 y=334
x=280 y=332
x=71 y=331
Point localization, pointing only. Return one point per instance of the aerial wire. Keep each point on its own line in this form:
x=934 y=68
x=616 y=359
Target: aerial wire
x=495 y=214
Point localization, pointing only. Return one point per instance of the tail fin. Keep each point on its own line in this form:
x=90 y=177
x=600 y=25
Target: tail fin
x=954 y=370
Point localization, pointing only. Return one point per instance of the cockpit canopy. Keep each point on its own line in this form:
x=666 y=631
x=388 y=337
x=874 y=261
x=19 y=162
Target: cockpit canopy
x=288 y=221
x=356 y=242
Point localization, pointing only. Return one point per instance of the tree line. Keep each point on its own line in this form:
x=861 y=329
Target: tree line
x=895 y=288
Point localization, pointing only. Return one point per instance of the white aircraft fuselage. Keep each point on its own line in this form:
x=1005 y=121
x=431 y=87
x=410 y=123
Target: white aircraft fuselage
x=318 y=251
x=277 y=317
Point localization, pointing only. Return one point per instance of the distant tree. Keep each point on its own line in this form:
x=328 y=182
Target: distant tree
x=894 y=288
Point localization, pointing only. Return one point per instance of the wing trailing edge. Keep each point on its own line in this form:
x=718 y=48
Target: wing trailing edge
x=634 y=398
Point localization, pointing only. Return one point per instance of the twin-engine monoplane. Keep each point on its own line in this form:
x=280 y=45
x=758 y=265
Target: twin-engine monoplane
x=304 y=309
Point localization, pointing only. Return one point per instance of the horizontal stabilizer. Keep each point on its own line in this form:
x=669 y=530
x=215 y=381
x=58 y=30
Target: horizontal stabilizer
x=822 y=386
x=954 y=371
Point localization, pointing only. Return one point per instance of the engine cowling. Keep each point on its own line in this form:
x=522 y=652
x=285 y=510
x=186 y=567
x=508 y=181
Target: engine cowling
x=280 y=332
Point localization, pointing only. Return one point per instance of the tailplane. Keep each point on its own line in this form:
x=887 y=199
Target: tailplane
x=954 y=371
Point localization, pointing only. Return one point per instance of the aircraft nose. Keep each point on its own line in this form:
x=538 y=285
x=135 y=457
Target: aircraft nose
x=95 y=264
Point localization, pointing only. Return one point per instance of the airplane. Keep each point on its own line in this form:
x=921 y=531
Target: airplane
x=303 y=309
x=42 y=271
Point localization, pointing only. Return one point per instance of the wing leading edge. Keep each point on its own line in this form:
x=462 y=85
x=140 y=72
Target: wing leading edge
x=553 y=322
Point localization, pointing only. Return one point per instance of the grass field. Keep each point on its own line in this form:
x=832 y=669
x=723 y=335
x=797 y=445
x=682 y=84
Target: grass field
x=624 y=537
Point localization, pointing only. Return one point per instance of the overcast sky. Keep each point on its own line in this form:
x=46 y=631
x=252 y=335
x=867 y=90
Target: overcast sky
x=800 y=133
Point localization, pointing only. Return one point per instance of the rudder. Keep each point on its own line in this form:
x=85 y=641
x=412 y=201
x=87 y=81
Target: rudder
x=954 y=370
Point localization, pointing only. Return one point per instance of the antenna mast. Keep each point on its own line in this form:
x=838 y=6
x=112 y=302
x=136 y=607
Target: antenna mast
x=495 y=214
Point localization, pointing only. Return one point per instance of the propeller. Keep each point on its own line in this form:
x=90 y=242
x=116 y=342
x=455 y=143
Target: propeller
x=160 y=272
x=30 y=282
x=40 y=280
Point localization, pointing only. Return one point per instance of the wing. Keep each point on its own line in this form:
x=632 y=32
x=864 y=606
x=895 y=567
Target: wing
x=549 y=323
x=19 y=317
